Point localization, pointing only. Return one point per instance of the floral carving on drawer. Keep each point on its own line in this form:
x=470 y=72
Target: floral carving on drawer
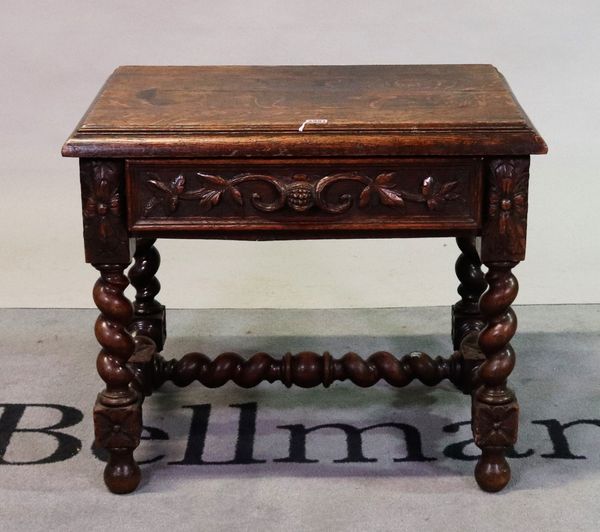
x=286 y=196
x=299 y=193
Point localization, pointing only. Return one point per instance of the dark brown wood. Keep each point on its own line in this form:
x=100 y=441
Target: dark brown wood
x=103 y=203
x=349 y=195
x=266 y=153
x=151 y=111
x=470 y=358
x=495 y=408
x=505 y=223
x=149 y=314
x=306 y=369
x=466 y=316
x=117 y=413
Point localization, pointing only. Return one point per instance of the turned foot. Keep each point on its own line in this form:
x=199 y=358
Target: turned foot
x=492 y=471
x=122 y=474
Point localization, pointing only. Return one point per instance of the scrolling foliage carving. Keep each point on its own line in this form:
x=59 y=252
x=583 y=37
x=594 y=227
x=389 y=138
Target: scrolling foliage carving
x=300 y=193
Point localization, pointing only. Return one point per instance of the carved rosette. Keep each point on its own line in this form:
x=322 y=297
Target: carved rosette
x=495 y=426
x=104 y=226
x=300 y=194
x=505 y=230
x=118 y=428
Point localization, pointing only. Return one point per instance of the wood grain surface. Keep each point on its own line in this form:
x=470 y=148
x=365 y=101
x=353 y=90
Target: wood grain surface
x=257 y=111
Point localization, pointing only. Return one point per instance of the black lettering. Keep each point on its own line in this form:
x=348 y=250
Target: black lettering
x=244 y=448
x=556 y=431
x=68 y=446
x=456 y=451
x=298 y=433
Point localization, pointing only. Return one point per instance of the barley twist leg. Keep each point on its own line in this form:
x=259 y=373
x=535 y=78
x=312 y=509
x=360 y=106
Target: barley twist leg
x=117 y=413
x=495 y=407
x=466 y=316
x=149 y=315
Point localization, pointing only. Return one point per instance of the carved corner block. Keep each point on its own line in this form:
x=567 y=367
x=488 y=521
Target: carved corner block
x=505 y=222
x=104 y=215
x=118 y=428
x=495 y=425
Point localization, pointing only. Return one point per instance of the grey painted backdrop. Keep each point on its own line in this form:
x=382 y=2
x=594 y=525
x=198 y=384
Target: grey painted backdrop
x=55 y=55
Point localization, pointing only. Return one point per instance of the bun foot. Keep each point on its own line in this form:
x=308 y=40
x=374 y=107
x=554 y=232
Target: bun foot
x=122 y=474
x=492 y=471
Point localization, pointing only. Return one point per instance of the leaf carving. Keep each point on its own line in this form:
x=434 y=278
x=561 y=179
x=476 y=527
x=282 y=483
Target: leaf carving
x=447 y=187
x=384 y=179
x=214 y=179
x=390 y=197
x=89 y=209
x=210 y=198
x=214 y=187
x=160 y=186
x=365 y=196
x=179 y=184
x=151 y=203
x=433 y=204
x=173 y=203
x=236 y=195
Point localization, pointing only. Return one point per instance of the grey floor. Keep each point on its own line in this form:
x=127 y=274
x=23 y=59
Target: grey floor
x=48 y=377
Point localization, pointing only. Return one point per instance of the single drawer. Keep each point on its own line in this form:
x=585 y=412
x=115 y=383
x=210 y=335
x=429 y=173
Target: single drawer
x=273 y=199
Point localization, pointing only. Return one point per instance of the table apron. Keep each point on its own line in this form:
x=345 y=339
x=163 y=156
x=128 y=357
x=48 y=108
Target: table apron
x=310 y=198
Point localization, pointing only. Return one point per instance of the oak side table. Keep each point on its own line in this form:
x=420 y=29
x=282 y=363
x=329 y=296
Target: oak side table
x=304 y=152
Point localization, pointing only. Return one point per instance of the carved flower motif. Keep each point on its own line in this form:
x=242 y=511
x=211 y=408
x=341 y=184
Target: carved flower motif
x=432 y=193
x=103 y=201
x=496 y=426
x=118 y=427
x=301 y=194
x=209 y=195
x=508 y=198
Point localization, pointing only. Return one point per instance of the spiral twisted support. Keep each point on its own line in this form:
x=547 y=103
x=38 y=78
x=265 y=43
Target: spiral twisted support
x=305 y=369
x=149 y=315
x=495 y=408
x=117 y=413
x=466 y=316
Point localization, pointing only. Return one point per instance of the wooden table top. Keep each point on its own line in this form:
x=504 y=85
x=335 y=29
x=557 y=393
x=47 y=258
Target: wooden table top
x=148 y=111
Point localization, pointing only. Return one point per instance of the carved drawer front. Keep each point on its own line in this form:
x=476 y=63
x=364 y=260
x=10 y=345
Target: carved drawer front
x=338 y=198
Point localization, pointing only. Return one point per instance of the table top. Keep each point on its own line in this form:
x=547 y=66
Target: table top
x=369 y=110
